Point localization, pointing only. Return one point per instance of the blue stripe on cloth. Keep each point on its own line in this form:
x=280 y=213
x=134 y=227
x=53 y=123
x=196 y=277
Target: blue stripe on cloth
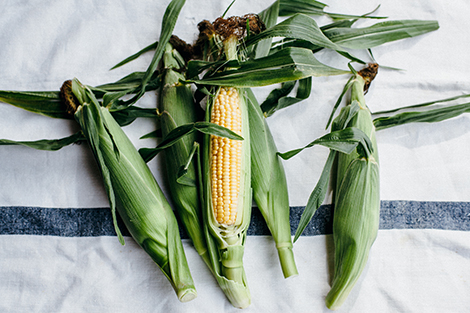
x=56 y=222
x=98 y=221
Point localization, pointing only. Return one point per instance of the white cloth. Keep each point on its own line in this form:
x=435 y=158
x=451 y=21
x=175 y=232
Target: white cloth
x=47 y=42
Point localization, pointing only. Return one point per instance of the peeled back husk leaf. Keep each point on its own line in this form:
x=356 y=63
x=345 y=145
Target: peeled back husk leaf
x=269 y=185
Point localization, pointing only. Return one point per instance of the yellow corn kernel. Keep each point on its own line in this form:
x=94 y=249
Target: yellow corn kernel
x=226 y=157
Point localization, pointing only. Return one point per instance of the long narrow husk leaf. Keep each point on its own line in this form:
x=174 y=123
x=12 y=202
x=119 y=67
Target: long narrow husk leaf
x=48 y=103
x=286 y=65
x=136 y=55
x=422 y=105
x=300 y=27
x=127 y=83
x=380 y=33
x=317 y=196
x=429 y=116
x=428 y=112
x=345 y=141
x=179 y=132
x=42 y=102
x=126 y=117
x=342 y=34
x=311 y=7
x=269 y=17
x=168 y=24
x=279 y=98
x=346 y=17
x=47 y=144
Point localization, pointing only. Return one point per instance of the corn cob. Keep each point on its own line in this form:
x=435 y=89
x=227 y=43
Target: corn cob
x=131 y=188
x=226 y=157
x=356 y=205
x=269 y=185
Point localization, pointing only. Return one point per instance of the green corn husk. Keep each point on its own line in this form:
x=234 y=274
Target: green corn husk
x=226 y=244
x=177 y=108
x=132 y=189
x=269 y=185
x=356 y=205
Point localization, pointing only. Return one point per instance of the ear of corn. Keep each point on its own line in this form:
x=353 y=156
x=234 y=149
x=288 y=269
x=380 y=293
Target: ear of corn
x=223 y=259
x=226 y=169
x=270 y=186
x=132 y=190
x=227 y=193
x=177 y=108
x=356 y=206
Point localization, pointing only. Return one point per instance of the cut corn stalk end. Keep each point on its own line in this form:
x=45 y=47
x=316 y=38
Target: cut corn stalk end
x=286 y=258
x=186 y=295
